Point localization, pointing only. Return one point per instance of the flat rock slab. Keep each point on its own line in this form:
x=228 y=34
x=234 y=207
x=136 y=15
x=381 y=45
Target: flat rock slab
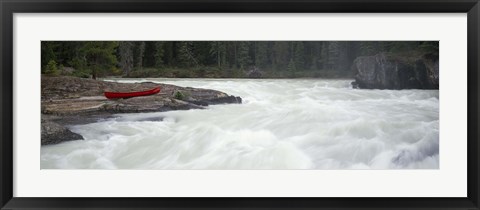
x=62 y=107
x=77 y=100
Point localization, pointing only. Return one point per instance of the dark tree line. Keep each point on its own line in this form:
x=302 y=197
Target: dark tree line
x=126 y=57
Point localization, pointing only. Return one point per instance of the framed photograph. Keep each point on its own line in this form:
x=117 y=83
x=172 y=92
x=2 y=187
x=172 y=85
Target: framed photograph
x=239 y=105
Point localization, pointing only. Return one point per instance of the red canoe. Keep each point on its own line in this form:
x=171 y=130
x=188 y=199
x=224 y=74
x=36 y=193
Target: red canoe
x=132 y=94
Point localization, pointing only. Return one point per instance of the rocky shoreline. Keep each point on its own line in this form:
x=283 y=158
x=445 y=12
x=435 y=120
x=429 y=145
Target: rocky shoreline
x=70 y=101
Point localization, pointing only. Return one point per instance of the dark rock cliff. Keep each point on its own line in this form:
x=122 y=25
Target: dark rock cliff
x=393 y=72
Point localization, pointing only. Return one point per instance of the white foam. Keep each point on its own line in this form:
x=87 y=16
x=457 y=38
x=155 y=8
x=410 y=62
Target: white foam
x=282 y=124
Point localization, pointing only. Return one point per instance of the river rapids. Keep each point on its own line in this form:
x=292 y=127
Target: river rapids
x=281 y=124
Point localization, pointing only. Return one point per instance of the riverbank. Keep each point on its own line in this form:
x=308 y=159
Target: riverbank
x=212 y=72
x=71 y=101
x=281 y=124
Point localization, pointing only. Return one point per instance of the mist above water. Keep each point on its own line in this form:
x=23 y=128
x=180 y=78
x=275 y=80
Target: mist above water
x=282 y=124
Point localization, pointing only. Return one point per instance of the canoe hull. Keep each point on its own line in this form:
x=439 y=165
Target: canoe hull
x=113 y=95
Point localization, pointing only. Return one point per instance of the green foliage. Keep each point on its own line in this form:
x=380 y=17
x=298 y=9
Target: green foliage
x=369 y=48
x=139 y=51
x=219 y=51
x=183 y=74
x=81 y=74
x=115 y=71
x=52 y=69
x=299 y=55
x=179 y=95
x=244 y=59
x=280 y=55
x=125 y=56
x=216 y=59
x=313 y=55
x=100 y=57
x=77 y=63
x=396 y=47
x=186 y=55
x=261 y=54
x=291 y=67
x=159 y=54
x=47 y=54
x=430 y=48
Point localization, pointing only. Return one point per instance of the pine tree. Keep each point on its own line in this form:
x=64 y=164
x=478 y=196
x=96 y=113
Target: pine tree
x=140 y=53
x=125 y=52
x=219 y=51
x=280 y=54
x=47 y=54
x=291 y=67
x=243 y=55
x=261 y=55
x=100 y=56
x=51 y=68
x=299 y=55
x=169 y=53
x=186 y=56
x=159 y=54
x=368 y=48
x=430 y=47
x=97 y=57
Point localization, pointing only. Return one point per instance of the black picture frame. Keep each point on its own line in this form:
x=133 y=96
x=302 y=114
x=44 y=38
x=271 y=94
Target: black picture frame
x=9 y=7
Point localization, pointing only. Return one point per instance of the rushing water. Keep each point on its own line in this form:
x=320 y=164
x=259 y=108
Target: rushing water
x=282 y=124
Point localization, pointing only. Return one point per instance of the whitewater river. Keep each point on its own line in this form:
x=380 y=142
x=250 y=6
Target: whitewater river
x=282 y=124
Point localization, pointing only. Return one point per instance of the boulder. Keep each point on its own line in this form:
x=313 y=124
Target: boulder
x=389 y=72
x=54 y=133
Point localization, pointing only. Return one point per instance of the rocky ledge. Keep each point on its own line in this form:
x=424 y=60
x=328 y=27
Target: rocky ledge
x=383 y=71
x=70 y=100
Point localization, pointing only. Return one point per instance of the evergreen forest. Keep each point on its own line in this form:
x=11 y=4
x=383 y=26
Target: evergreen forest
x=218 y=59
